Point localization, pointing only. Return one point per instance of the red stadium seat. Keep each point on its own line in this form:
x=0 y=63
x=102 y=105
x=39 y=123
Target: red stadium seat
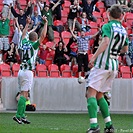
x=129 y=18
x=64 y=15
x=75 y=70
x=58 y=22
x=101 y=24
x=93 y=30
x=105 y=17
x=15 y=69
x=125 y=72
x=98 y=16
x=5 y=70
x=41 y=70
x=23 y=2
x=53 y=70
x=93 y=24
x=56 y=37
x=66 y=70
x=65 y=35
x=100 y=6
x=66 y=6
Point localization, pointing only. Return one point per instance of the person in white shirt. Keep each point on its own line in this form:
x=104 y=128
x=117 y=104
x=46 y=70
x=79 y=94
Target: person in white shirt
x=40 y=4
x=6 y=6
x=17 y=32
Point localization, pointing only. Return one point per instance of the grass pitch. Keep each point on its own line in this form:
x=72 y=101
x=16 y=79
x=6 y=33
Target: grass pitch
x=62 y=123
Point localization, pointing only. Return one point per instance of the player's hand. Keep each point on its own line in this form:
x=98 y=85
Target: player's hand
x=91 y=63
x=44 y=18
x=75 y=19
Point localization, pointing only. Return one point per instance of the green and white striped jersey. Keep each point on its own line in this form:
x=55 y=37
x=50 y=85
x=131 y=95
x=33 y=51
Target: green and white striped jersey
x=118 y=38
x=29 y=52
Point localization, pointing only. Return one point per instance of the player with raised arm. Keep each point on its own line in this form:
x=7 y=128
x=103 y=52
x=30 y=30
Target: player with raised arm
x=25 y=74
x=104 y=65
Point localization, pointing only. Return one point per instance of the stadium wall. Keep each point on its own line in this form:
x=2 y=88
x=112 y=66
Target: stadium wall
x=65 y=94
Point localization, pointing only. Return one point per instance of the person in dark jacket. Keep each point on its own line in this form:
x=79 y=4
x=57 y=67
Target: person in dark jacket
x=59 y=57
x=89 y=7
x=57 y=11
x=22 y=15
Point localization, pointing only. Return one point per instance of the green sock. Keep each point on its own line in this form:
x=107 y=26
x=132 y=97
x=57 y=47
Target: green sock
x=92 y=110
x=23 y=113
x=105 y=111
x=21 y=107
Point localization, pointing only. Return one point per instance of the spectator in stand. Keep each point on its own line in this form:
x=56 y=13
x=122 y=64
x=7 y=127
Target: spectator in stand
x=57 y=11
x=59 y=57
x=124 y=4
x=129 y=54
x=12 y=55
x=43 y=51
x=4 y=33
x=7 y=6
x=72 y=49
x=109 y=3
x=48 y=12
x=83 y=47
x=17 y=33
x=130 y=5
x=85 y=22
x=40 y=5
x=89 y=7
x=74 y=10
x=36 y=19
x=22 y=15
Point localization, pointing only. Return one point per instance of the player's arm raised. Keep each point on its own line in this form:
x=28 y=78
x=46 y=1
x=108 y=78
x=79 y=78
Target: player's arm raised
x=44 y=31
x=28 y=20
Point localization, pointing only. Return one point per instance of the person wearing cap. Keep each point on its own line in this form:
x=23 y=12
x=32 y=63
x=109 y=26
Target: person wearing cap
x=4 y=33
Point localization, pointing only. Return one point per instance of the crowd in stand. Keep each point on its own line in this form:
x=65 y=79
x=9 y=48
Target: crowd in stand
x=81 y=20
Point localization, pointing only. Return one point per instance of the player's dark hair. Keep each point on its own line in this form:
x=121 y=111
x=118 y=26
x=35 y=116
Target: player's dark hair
x=116 y=11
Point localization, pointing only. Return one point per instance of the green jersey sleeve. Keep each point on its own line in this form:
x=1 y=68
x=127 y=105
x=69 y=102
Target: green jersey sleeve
x=24 y=40
x=126 y=42
x=36 y=44
x=106 y=30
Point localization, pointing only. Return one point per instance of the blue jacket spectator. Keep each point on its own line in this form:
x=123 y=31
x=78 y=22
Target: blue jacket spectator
x=36 y=18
